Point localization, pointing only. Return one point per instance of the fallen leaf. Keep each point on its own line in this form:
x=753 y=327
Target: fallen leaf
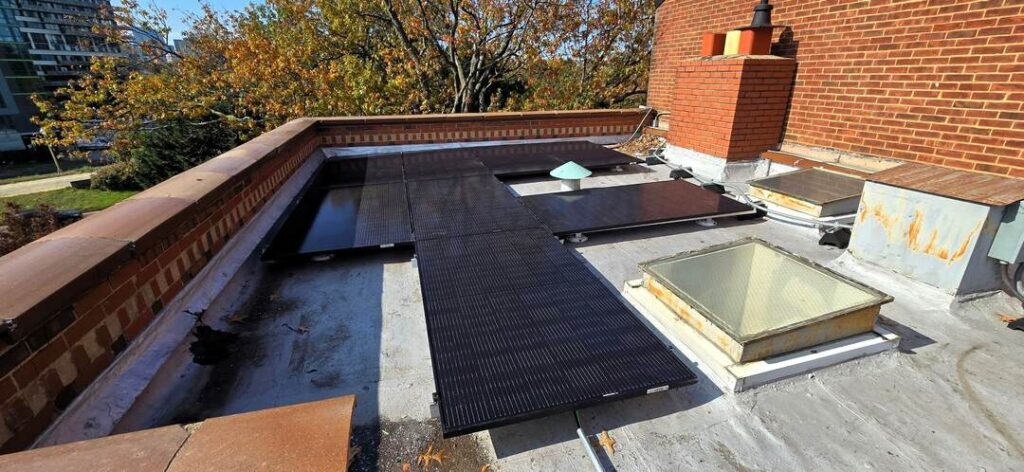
x=430 y=455
x=485 y=468
x=607 y=442
x=406 y=467
x=352 y=453
x=236 y=318
x=422 y=459
x=1007 y=318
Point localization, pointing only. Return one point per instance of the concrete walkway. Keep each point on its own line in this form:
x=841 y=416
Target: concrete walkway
x=41 y=185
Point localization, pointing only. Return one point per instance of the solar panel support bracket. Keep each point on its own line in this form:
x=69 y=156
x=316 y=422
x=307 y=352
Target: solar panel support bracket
x=435 y=405
x=577 y=238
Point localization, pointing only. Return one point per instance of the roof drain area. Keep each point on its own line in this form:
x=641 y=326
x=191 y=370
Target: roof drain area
x=756 y=313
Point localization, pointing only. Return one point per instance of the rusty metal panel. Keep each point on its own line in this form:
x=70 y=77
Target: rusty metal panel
x=958 y=184
x=937 y=240
x=146 y=450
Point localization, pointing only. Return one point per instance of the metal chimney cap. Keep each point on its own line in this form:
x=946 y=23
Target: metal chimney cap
x=762 y=15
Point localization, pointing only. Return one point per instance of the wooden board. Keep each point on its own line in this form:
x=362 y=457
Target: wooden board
x=962 y=185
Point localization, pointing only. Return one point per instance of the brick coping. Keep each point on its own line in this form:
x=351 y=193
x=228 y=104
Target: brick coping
x=311 y=436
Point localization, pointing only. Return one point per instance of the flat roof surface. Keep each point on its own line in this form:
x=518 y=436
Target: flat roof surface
x=947 y=400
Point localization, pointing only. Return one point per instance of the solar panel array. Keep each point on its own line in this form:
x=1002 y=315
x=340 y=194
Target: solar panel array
x=518 y=325
x=342 y=209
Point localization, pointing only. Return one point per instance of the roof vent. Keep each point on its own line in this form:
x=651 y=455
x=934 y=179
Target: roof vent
x=570 y=173
x=762 y=15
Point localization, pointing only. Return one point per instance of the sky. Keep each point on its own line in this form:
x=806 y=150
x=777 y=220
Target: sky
x=178 y=10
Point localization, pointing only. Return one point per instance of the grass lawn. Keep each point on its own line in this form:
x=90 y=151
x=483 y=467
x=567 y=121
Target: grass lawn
x=70 y=199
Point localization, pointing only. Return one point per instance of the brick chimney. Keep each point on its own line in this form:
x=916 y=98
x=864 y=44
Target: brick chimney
x=730 y=107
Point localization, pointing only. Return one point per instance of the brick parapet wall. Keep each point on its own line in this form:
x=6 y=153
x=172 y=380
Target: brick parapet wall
x=72 y=301
x=730 y=106
x=425 y=129
x=938 y=82
x=77 y=297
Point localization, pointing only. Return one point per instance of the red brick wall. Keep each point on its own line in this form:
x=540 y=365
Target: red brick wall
x=936 y=81
x=731 y=107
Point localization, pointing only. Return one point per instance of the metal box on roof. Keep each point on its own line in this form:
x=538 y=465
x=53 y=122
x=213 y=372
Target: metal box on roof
x=1008 y=245
x=754 y=300
x=815 y=192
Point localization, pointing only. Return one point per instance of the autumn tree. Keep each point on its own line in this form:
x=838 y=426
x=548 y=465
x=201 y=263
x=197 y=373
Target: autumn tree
x=597 y=56
x=477 y=55
x=252 y=70
x=471 y=50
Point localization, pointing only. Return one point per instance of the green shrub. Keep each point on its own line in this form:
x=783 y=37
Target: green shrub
x=163 y=152
x=117 y=176
x=167 y=151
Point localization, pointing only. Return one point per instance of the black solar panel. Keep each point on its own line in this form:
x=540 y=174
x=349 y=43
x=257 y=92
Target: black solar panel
x=513 y=165
x=460 y=192
x=606 y=208
x=442 y=164
x=362 y=170
x=336 y=219
x=584 y=153
x=541 y=158
x=491 y=262
x=519 y=328
x=465 y=205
